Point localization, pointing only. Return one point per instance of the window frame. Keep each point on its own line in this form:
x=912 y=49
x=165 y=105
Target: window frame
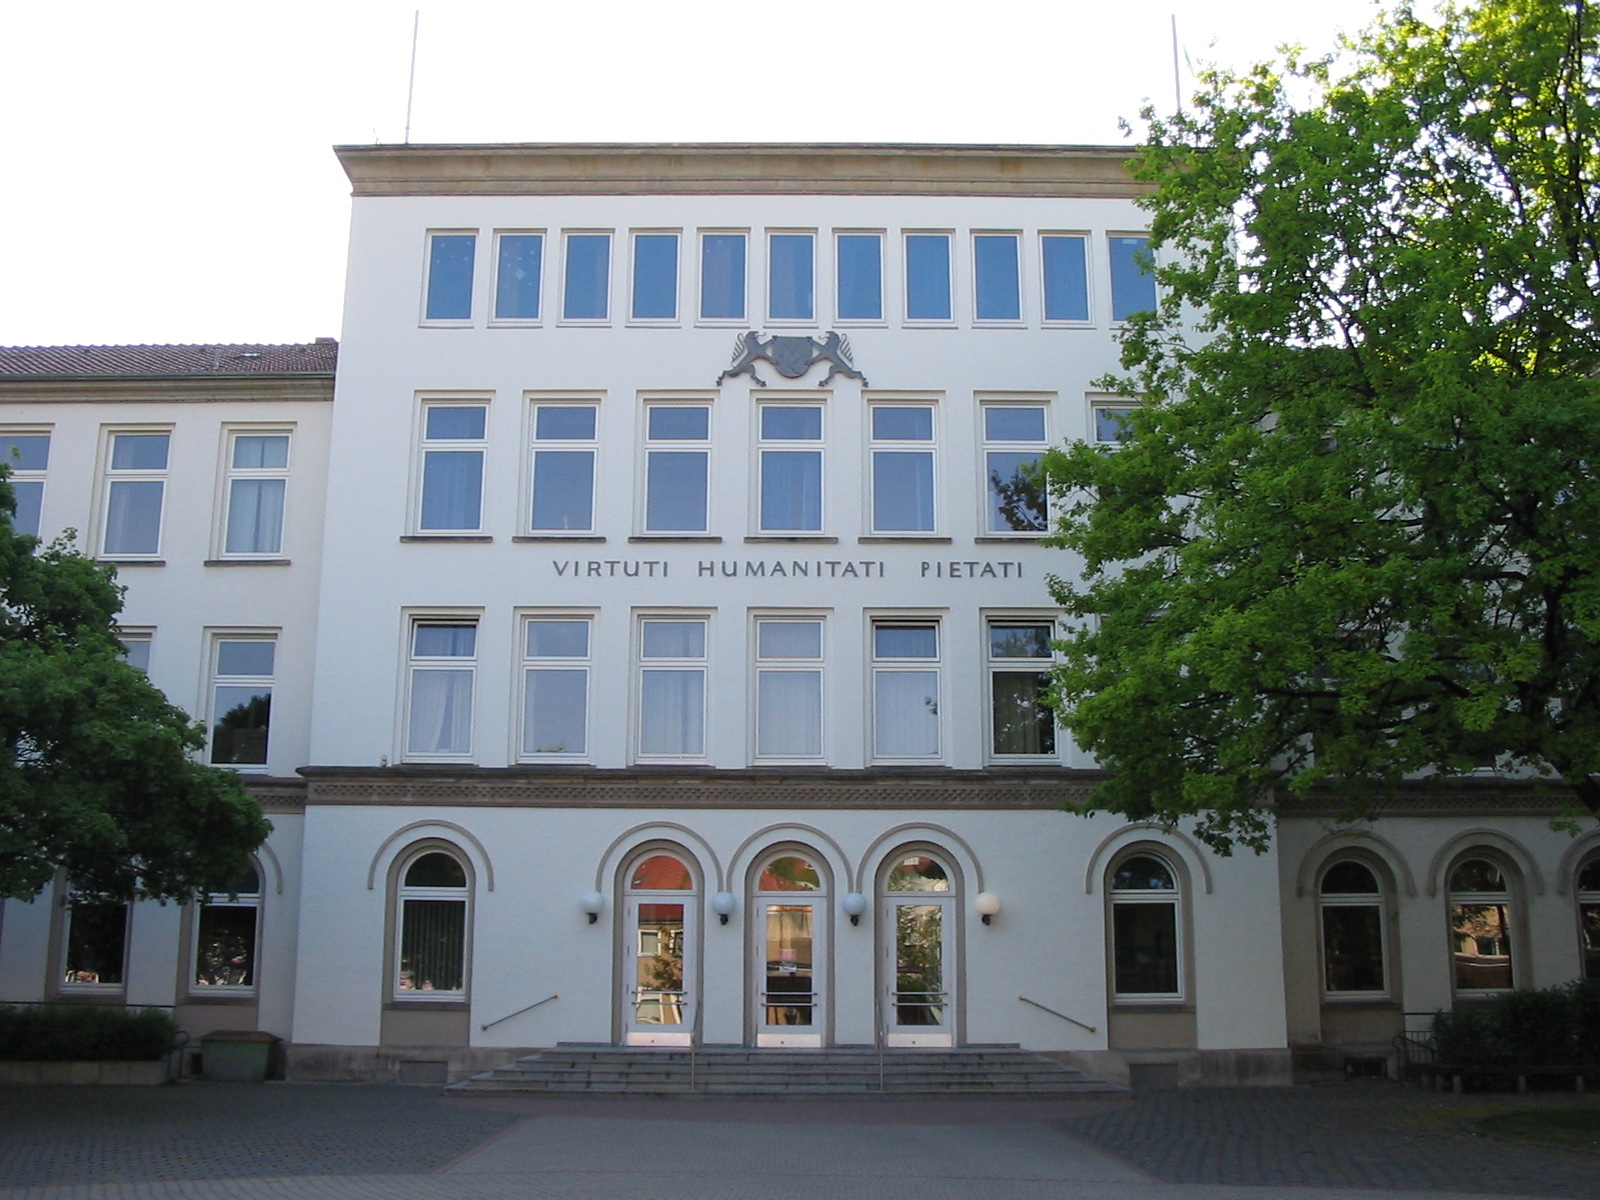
x=781 y=664
x=702 y=277
x=1584 y=900
x=216 y=681
x=988 y=446
x=1019 y=294
x=675 y=318
x=200 y=993
x=507 y=321
x=1084 y=240
x=949 y=238
x=412 y=662
x=1176 y=899
x=537 y=401
x=231 y=474
x=137 y=635
x=400 y=893
x=996 y=665
x=112 y=476
x=650 y=446
x=1507 y=900
x=810 y=318
x=881 y=320
x=644 y=665
x=529 y=663
x=426 y=446
x=929 y=446
x=607 y=279
x=1378 y=901
x=1100 y=404
x=429 y=264
x=72 y=989
x=781 y=445
x=1118 y=284
x=882 y=665
x=29 y=477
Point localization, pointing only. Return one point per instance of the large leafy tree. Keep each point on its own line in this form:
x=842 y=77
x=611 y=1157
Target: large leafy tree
x=1353 y=538
x=97 y=769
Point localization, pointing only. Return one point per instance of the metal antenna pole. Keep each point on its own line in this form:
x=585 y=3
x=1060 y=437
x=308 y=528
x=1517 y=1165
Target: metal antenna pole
x=1177 y=88
x=411 y=82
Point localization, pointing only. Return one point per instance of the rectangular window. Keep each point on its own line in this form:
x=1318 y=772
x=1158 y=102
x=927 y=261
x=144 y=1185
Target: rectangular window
x=927 y=276
x=905 y=689
x=555 y=687
x=790 y=452
x=655 y=277
x=1019 y=678
x=1111 y=421
x=241 y=699
x=587 y=294
x=257 y=478
x=1013 y=442
x=902 y=468
x=1133 y=280
x=788 y=687
x=790 y=275
x=28 y=456
x=136 y=481
x=722 y=276
x=94 y=947
x=672 y=687
x=442 y=669
x=860 y=268
x=454 y=439
x=677 y=454
x=450 y=262
x=519 y=273
x=135 y=648
x=996 y=277
x=225 y=938
x=1066 y=277
x=562 y=470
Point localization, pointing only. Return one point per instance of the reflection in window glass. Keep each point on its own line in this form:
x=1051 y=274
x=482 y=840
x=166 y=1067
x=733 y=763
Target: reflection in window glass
x=860 y=276
x=1019 y=680
x=928 y=277
x=1480 y=927
x=28 y=456
x=722 y=276
x=1133 y=281
x=676 y=478
x=1066 y=279
x=95 y=945
x=789 y=277
x=1352 y=929
x=517 y=276
x=999 y=290
x=1589 y=917
x=450 y=259
x=555 y=687
x=788 y=689
x=655 y=277
x=586 y=296
x=1144 y=929
x=902 y=469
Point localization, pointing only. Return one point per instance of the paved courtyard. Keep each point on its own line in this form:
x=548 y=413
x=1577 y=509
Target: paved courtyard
x=200 y=1141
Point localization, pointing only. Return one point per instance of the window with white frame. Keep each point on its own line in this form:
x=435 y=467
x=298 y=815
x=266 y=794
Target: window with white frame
x=454 y=440
x=1019 y=659
x=555 y=687
x=136 y=484
x=1133 y=279
x=788 y=663
x=1064 y=263
x=672 y=687
x=226 y=930
x=1589 y=917
x=722 y=276
x=256 y=484
x=789 y=447
x=1014 y=440
x=241 y=698
x=1480 y=926
x=858 y=295
x=449 y=288
x=901 y=447
x=791 y=277
x=27 y=453
x=927 y=276
x=996 y=277
x=94 y=946
x=441 y=671
x=677 y=464
x=586 y=285
x=905 y=689
x=1112 y=420
x=518 y=276
x=1351 y=915
x=135 y=645
x=430 y=960
x=562 y=467
x=655 y=277
x=1145 y=959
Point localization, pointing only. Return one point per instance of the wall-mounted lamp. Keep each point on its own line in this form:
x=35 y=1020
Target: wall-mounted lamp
x=592 y=903
x=854 y=905
x=723 y=904
x=987 y=904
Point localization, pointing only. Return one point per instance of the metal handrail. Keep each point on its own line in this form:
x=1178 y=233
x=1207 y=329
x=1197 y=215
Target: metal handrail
x=1062 y=1015
x=520 y=1011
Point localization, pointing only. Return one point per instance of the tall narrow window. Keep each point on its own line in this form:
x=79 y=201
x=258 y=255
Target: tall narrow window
x=450 y=262
x=1589 y=917
x=677 y=458
x=672 y=687
x=927 y=277
x=902 y=468
x=442 y=669
x=563 y=468
x=1144 y=930
x=225 y=933
x=587 y=294
x=258 y=477
x=996 y=277
x=241 y=700
x=655 y=277
x=1480 y=927
x=28 y=456
x=790 y=274
x=555 y=687
x=1014 y=440
x=1133 y=280
x=1019 y=679
x=518 y=275
x=1066 y=277
x=94 y=946
x=453 y=445
x=431 y=929
x=905 y=689
x=788 y=688
x=1350 y=904
x=791 y=468
x=722 y=276
x=136 y=482
x=860 y=283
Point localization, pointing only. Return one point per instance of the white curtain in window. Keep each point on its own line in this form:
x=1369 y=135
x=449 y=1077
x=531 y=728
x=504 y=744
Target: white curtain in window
x=255 y=516
x=441 y=712
x=906 y=708
x=672 y=712
x=789 y=714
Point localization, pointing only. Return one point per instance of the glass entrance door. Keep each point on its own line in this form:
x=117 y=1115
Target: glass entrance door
x=918 y=914
x=657 y=997
x=789 y=958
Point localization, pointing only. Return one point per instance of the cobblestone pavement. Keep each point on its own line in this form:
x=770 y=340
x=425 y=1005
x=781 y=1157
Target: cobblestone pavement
x=199 y=1141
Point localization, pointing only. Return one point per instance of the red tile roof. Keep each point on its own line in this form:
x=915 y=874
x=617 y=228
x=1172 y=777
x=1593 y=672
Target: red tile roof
x=132 y=362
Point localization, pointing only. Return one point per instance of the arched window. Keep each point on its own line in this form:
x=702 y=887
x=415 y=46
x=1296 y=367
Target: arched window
x=1589 y=916
x=225 y=937
x=1145 y=962
x=1350 y=902
x=431 y=954
x=918 y=873
x=1480 y=926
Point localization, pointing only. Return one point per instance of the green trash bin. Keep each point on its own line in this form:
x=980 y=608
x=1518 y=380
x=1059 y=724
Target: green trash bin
x=237 y=1055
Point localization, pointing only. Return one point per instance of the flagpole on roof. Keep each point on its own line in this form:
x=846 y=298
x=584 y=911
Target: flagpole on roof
x=411 y=81
x=1177 y=88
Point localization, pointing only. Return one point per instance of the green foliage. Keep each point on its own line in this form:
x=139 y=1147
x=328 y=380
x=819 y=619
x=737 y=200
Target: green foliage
x=1548 y=1027
x=84 y=1033
x=97 y=774
x=1350 y=539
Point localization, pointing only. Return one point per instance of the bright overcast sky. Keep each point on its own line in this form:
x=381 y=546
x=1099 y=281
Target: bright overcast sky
x=167 y=173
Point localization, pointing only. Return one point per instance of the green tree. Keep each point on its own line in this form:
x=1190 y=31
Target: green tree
x=1352 y=536
x=97 y=774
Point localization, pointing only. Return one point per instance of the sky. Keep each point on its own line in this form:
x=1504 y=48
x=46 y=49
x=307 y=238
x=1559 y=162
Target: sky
x=166 y=168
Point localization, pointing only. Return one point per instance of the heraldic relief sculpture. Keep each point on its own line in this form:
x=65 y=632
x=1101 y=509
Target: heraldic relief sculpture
x=792 y=356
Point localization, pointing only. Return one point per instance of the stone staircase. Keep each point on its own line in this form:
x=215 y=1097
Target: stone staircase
x=737 y=1070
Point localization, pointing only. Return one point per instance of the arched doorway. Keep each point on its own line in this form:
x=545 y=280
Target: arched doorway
x=660 y=963
x=917 y=935
x=789 y=950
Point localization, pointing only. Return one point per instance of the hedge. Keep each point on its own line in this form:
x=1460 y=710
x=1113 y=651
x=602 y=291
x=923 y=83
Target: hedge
x=1547 y=1027
x=84 y=1033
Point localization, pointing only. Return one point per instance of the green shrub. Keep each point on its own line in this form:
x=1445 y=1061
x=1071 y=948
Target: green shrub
x=84 y=1033
x=1586 y=1018
x=1463 y=1037
x=1545 y=1027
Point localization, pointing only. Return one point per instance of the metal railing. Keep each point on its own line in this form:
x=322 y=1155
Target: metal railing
x=1062 y=1015
x=520 y=1011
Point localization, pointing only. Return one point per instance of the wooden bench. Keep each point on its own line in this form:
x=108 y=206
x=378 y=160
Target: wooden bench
x=1436 y=1073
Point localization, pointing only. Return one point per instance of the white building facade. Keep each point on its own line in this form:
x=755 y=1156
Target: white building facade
x=657 y=650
